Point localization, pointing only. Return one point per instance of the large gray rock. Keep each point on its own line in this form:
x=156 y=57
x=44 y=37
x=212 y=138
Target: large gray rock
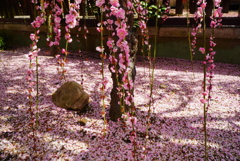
x=71 y=96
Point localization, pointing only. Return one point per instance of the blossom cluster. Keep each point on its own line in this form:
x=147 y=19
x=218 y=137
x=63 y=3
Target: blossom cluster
x=167 y=5
x=119 y=29
x=33 y=53
x=72 y=19
x=198 y=17
x=34 y=36
x=36 y=24
x=56 y=25
x=119 y=57
x=216 y=19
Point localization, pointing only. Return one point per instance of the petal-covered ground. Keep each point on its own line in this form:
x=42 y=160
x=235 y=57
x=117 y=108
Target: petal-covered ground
x=176 y=130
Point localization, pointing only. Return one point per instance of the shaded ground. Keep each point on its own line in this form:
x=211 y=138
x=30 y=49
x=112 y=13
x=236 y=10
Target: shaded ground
x=176 y=120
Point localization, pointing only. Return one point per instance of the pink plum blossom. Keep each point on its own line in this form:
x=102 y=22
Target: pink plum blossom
x=128 y=100
x=115 y=3
x=110 y=21
x=99 y=3
x=199 y=13
x=110 y=43
x=69 y=40
x=122 y=33
x=142 y=24
x=38 y=22
x=78 y=1
x=133 y=120
x=213 y=24
x=122 y=61
x=98 y=29
x=112 y=59
x=99 y=49
x=203 y=101
x=202 y=50
x=129 y=5
x=67 y=36
x=210 y=61
x=128 y=85
x=57 y=56
x=120 y=13
x=51 y=44
x=34 y=37
x=57 y=20
x=203 y=5
x=217 y=2
x=71 y=20
x=212 y=53
x=63 y=51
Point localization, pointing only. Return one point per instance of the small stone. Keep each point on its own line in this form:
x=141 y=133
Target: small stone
x=82 y=121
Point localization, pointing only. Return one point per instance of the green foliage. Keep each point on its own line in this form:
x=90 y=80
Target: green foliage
x=4 y=39
x=94 y=10
x=2 y=43
x=153 y=10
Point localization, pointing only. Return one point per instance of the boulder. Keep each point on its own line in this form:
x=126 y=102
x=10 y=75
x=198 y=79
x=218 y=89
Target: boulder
x=71 y=96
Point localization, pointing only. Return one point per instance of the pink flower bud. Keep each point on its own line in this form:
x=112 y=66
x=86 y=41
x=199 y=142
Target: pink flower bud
x=57 y=56
x=212 y=53
x=63 y=51
x=115 y=3
x=99 y=49
x=203 y=101
x=69 y=40
x=210 y=61
x=203 y=5
x=133 y=120
x=202 y=50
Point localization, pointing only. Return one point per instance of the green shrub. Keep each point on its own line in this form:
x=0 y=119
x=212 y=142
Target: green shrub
x=3 y=44
x=5 y=39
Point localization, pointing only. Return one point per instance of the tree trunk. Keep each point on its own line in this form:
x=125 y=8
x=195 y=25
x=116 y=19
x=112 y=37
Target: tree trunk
x=116 y=110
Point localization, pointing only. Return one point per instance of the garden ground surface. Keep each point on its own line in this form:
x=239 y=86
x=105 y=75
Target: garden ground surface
x=176 y=130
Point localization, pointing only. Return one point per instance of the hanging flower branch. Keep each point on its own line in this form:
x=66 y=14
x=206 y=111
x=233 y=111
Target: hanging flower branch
x=54 y=23
x=208 y=63
x=122 y=49
x=200 y=18
x=119 y=49
x=119 y=15
x=216 y=20
x=157 y=12
x=142 y=12
x=54 y=35
x=191 y=43
x=104 y=79
x=72 y=20
x=32 y=76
